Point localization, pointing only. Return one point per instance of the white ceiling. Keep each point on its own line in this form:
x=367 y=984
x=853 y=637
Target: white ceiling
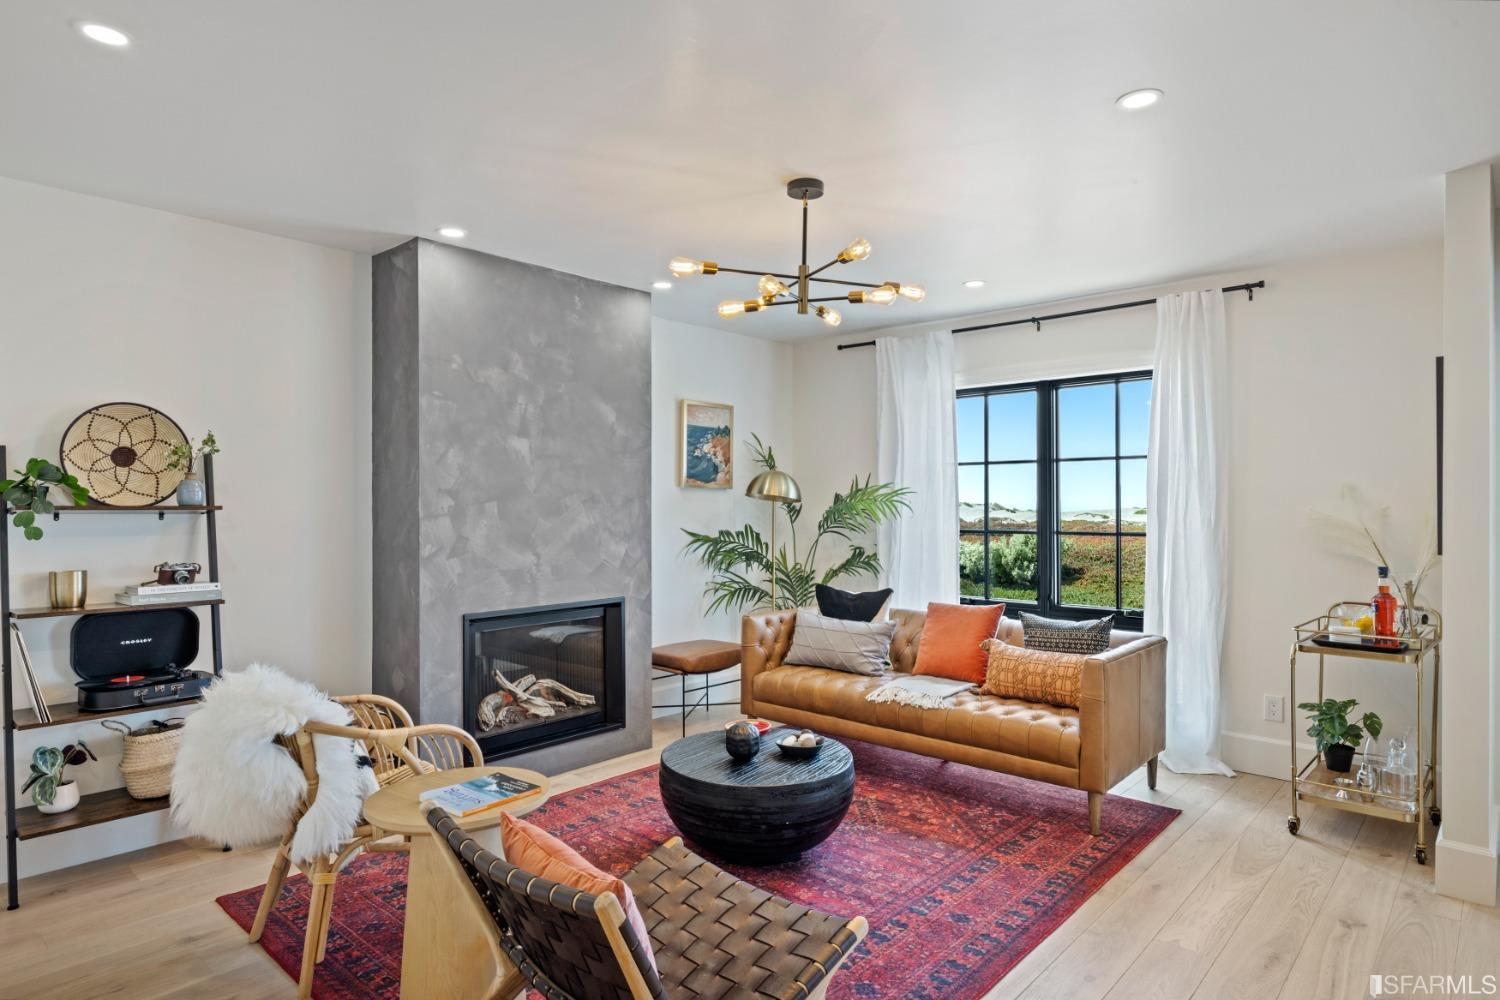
x=962 y=139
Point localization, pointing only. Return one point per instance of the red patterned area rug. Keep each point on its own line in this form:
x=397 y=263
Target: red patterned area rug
x=960 y=871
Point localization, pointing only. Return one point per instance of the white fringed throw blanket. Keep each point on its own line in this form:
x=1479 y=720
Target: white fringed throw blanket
x=919 y=691
x=233 y=784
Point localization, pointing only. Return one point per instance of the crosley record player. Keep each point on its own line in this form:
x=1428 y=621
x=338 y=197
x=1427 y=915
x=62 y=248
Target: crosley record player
x=136 y=658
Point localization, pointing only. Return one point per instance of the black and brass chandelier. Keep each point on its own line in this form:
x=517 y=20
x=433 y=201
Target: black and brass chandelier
x=782 y=289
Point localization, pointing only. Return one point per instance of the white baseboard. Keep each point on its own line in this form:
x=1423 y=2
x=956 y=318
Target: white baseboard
x=1264 y=755
x=1468 y=871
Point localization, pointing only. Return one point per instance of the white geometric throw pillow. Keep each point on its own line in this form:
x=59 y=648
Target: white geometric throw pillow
x=855 y=647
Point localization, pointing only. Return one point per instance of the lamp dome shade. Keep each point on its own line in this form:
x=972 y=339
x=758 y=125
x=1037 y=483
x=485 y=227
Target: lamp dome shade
x=773 y=484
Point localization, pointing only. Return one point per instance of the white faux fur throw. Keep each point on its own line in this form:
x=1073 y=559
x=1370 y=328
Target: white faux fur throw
x=919 y=691
x=233 y=784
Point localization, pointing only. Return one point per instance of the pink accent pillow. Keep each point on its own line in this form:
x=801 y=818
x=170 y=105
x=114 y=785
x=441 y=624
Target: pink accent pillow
x=534 y=850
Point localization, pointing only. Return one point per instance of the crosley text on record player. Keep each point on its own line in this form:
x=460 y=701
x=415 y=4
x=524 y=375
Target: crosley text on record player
x=136 y=658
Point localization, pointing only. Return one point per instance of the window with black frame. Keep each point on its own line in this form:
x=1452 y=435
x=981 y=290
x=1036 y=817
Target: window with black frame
x=1052 y=495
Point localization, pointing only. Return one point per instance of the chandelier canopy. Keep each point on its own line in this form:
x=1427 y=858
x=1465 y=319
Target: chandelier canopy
x=783 y=289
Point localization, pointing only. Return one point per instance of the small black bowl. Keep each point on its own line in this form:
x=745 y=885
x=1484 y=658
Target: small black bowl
x=799 y=753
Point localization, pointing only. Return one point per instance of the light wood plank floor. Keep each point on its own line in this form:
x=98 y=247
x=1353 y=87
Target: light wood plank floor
x=1223 y=904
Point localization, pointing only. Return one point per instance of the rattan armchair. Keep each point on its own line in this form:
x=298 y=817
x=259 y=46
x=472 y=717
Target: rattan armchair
x=713 y=936
x=398 y=749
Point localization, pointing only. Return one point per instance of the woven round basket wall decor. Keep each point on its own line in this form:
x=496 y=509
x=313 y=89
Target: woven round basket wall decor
x=119 y=452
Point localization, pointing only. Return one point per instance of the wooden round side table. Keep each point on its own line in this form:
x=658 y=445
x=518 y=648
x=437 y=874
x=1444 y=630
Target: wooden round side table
x=444 y=953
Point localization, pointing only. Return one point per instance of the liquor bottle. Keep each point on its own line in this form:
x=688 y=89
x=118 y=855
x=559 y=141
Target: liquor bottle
x=1383 y=606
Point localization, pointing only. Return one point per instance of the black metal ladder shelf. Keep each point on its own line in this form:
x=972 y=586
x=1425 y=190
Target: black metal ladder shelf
x=114 y=803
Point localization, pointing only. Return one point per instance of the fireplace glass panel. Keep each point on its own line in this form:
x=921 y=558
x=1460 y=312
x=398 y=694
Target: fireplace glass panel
x=539 y=676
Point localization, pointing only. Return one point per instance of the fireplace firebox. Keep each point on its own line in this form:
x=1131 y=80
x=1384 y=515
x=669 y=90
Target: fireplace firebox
x=534 y=677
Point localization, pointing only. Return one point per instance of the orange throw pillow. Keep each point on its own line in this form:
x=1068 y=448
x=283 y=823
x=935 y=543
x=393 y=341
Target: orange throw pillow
x=951 y=640
x=1034 y=674
x=532 y=849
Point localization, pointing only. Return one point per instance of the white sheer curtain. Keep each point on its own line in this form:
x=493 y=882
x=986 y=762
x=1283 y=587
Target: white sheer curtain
x=1187 y=544
x=915 y=448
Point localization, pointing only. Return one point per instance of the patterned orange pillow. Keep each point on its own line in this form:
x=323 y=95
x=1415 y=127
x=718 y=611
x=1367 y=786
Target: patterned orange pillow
x=1033 y=674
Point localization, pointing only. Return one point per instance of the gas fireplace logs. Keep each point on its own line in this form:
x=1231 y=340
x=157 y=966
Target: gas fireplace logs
x=527 y=698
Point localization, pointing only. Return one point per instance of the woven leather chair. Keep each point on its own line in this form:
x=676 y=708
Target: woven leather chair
x=398 y=750
x=712 y=935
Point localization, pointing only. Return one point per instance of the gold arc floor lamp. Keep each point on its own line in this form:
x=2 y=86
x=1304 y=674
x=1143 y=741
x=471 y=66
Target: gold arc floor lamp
x=778 y=488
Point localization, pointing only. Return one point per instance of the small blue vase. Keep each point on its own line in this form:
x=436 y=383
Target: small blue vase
x=190 y=493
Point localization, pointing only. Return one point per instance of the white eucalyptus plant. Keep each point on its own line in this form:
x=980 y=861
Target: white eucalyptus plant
x=1363 y=530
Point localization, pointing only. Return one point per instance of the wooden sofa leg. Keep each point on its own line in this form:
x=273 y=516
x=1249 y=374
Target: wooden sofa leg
x=1151 y=774
x=1096 y=802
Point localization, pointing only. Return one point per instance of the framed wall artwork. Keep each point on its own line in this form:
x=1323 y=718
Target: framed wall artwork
x=705 y=445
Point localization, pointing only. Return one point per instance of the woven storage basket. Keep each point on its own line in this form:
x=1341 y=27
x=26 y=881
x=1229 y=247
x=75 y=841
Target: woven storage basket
x=150 y=753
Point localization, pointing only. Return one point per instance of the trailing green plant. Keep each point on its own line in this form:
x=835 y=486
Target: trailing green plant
x=47 y=767
x=742 y=564
x=27 y=496
x=185 y=456
x=1331 y=725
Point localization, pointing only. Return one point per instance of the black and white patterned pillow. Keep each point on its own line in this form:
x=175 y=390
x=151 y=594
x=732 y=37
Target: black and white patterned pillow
x=1058 y=635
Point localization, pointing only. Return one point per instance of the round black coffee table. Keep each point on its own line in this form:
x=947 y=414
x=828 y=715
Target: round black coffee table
x=766 y=810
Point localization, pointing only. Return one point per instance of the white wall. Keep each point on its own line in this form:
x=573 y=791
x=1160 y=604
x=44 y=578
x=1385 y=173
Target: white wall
x=1332 y=369
x=261 y=339
x=1466 y=845
x=695 y=362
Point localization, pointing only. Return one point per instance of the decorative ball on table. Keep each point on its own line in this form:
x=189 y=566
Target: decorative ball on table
x=742 y=740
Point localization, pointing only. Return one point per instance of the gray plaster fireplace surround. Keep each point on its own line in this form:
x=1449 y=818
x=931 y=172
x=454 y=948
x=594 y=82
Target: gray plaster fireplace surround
x=512 y=469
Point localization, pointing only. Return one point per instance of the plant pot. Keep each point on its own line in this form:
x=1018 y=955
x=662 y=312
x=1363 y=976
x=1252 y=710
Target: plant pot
x=64 y=800
x=190 y=492
x=1339 y=757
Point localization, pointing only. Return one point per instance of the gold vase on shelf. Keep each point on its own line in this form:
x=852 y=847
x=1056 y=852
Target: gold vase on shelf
x=68 y=588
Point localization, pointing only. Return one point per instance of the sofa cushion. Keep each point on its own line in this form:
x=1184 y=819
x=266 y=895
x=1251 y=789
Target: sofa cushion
x=1008 y=725
x=1033 y=674
x=857 y=647
x=1059 y=635
x=866 y=607
x=951 y=640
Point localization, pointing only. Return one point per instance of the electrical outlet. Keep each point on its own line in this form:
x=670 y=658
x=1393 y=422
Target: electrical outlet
x=1275 y=708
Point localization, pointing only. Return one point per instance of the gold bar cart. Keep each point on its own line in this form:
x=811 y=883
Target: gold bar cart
x=1422 y=639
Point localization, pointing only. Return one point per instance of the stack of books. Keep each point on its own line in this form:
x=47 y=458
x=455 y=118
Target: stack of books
x=168 y=593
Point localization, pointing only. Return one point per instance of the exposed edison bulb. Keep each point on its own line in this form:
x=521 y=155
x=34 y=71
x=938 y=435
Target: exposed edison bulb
x=830 y=316
x=771 y=286
x=915 y=293
x=858 y=250
x=684 y=267
x=733 y=307
x=882 y=296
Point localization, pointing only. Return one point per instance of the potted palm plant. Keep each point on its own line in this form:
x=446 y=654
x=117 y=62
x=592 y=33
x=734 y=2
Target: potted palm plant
x=1335 y=735
x=742 y=564
x=50 y=791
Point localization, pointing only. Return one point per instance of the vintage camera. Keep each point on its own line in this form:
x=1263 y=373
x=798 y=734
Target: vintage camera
x=170 y=573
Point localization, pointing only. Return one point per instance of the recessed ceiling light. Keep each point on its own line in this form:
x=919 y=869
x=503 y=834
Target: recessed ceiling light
x=1137 y=99
x=974 y=283
x=452 y=232
x=103 y=34
x=661 y=286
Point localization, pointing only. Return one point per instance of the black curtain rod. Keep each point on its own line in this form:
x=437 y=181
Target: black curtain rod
x=1248 y=287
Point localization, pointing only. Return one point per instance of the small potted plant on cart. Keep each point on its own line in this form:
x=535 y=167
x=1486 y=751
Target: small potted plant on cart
x=1335 y=736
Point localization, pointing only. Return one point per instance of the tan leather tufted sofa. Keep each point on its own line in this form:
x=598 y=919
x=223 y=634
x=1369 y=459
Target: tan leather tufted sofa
x=1119 y=725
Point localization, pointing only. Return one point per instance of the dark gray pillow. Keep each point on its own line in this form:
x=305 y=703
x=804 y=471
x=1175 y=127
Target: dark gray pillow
x=1058 y=635
x=836 y=603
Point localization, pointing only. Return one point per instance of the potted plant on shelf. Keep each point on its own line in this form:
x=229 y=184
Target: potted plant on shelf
x=1335 y=735
x=27 y=496
x=49 y=791
x=190 y=492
